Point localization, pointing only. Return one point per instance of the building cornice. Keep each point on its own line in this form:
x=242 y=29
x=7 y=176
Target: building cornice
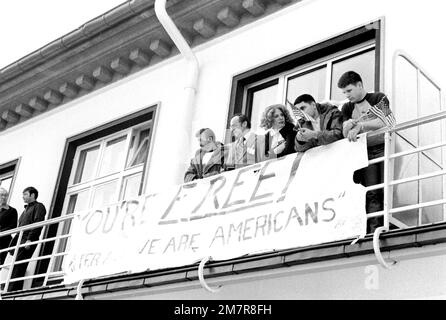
x=112 y=46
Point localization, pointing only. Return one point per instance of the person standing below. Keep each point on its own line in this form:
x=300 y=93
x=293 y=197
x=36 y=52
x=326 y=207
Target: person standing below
x=279 y=139
x=208 y=160
x=8 y=221
x=34 y=212
x=366 y=112
x=247 y=147
x=322 y=124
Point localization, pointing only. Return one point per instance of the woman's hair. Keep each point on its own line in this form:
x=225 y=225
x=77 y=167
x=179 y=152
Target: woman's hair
x=268 y=115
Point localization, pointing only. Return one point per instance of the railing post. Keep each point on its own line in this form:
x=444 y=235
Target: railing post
x=50 y=263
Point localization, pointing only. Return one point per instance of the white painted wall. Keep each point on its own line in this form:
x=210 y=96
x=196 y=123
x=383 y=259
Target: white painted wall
x=414 y=26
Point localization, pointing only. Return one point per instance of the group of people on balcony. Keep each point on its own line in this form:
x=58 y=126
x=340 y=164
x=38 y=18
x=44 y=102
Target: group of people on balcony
x=34 y=212
x=316 y=124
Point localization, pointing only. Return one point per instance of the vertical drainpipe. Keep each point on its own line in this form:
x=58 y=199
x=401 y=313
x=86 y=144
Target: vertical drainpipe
x=185 y=139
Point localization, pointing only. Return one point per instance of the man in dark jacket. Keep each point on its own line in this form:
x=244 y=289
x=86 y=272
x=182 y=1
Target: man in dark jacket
x=208 y=160
x=323 y=124
x=34 y=212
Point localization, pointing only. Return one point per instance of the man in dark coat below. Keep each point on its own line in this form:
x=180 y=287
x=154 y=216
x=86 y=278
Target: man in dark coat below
x=34 y=212
x=323 y=123
x=8 y=221
x=208 y=160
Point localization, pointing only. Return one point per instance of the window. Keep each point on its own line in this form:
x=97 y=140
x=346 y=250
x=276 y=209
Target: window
x=106 y=171
x=7 y=175
x=258 y=98
x=100 y=167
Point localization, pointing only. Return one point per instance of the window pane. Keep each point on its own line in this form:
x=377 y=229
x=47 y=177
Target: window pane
x=76 y=202
x=130 y=186
x=113 y=158
x=86 y=165
x=105 y=194
x=431 y=189
x=364 y=64
x=312 y=82
x=139 y=148
x=260 y=100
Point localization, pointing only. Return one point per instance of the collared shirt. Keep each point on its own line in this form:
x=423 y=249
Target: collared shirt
x=206 y=157
x=242 y=149
x=277 y=141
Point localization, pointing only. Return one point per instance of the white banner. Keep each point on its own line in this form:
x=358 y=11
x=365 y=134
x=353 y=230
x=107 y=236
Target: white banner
x=294 y=201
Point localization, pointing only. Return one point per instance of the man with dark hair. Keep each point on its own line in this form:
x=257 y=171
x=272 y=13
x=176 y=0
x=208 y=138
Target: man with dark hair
x=34 y=212
x=359 y=116
x=247 y=147
x=208 y=160
x=323 y=123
